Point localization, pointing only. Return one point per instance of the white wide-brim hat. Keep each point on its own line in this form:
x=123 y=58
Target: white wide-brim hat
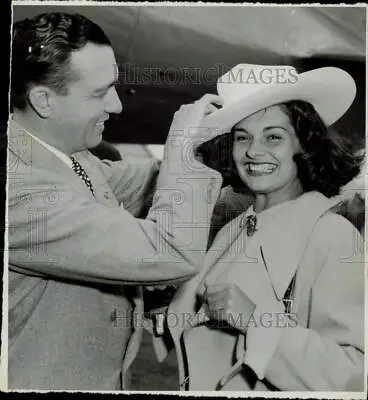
x=248 y=88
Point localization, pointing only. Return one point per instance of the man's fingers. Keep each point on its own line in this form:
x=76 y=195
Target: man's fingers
x=211 y=98
x=210 y=108
x=188 y=120
x=208 y=104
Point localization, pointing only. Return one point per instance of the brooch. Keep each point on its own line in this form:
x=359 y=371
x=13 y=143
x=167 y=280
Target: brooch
x=251 y=225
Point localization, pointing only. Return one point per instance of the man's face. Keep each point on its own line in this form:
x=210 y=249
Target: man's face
x=80 y=115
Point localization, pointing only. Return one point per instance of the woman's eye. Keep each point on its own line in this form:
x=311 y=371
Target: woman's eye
x=273 y=137
x=242 y=138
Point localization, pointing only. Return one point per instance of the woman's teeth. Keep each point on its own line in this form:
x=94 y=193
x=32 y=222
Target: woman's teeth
x=265 y=168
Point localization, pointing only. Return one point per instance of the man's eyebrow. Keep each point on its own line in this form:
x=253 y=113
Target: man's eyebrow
x=106 y=87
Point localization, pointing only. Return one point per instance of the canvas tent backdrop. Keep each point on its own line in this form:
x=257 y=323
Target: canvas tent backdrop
x=170 y=55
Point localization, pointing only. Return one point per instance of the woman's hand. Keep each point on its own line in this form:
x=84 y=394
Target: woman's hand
x=225 y=302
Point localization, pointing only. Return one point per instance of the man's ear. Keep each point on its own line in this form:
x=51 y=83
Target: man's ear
x=40 y=98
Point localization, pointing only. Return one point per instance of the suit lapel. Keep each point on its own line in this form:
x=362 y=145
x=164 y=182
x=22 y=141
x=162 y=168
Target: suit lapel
x=99 y=183
x=32 y=153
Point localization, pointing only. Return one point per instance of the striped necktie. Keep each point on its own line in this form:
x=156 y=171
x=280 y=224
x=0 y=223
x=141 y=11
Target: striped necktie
x=79 y=170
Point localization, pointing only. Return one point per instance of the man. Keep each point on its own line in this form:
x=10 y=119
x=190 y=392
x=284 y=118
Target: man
x=75 y=252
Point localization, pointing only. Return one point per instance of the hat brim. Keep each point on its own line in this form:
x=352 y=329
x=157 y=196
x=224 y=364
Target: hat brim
x=330 y=90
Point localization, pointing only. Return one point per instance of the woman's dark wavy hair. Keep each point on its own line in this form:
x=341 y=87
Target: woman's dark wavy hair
x=41 y=49
x=327 y=162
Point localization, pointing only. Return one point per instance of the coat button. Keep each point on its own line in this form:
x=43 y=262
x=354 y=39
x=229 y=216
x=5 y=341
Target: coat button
x=106 y=195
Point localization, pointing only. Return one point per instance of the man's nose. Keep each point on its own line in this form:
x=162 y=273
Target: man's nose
x=113 y=103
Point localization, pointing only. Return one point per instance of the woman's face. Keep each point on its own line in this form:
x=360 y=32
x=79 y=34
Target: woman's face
x=263 y=150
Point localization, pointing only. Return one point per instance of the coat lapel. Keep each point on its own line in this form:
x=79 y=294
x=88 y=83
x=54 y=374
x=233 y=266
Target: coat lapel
x=284 y=241
x=34 y=154
x=101 y=187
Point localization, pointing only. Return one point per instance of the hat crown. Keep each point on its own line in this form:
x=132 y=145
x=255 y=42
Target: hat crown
x=247 y=79
x=248 y=88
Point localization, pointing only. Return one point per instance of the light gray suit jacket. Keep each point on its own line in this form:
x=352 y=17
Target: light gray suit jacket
x=75 y=260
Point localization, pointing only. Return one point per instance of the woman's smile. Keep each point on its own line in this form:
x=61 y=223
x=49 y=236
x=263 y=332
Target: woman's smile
x=259 y=169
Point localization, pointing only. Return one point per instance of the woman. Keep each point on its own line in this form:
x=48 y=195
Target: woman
x=279 y=303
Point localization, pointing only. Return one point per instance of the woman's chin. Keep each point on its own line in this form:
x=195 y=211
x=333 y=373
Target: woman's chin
x=260 y=186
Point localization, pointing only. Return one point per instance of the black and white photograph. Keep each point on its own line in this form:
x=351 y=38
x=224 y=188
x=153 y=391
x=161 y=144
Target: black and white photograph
x=185 y=199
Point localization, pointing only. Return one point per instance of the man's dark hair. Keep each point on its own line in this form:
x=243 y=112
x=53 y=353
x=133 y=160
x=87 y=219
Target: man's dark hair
x=327 y=162
x=41 y=49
